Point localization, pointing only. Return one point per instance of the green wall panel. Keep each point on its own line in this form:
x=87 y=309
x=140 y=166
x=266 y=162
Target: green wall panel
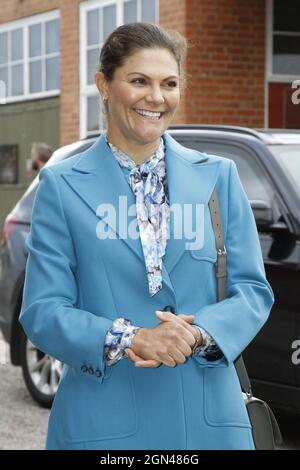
x=22 y=124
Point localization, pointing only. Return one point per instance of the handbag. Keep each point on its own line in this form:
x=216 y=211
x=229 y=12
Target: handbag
x=265 y=429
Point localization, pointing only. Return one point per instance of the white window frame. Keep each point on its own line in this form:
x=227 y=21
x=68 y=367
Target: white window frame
x=24 y=24
x=272 y=77
x=91 y=90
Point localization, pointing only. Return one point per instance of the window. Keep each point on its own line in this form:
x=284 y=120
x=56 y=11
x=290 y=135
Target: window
x=8 y=164
x=283 y=63
x=30 y=57
x=255 y=183
x=288 y=157
x=98 y=19
x=284 y=39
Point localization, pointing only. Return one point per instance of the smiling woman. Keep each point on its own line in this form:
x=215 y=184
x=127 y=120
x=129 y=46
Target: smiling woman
x=139 y=80
x=120 y=387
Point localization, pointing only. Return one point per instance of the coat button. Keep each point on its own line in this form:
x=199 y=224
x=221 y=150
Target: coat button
x=98 y=373
x=91 y=370
x=168 y=308
x=84 y=368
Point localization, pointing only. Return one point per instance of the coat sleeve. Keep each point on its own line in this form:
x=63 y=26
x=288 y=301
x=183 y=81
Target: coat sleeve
x=48 y=313
x=235 y=321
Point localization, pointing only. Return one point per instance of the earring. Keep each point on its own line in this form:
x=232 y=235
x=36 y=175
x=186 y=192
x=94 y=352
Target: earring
x=104 y=98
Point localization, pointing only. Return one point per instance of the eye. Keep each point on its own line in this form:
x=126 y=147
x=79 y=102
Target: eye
x=171 y=84
x=138 y=81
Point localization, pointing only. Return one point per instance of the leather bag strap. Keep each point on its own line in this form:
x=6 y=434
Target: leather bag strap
x=221 y=274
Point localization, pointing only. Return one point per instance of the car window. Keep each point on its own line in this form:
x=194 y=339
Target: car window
x=255 y=182
x=288 y=157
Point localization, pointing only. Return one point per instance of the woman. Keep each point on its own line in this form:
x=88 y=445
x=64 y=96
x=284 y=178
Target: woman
x=123 y=294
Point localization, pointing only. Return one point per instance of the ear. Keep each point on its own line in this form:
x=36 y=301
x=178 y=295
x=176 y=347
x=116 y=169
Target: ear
x=101 y=84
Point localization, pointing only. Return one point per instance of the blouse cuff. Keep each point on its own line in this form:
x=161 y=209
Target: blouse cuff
x=118 y=338
x=208 y=349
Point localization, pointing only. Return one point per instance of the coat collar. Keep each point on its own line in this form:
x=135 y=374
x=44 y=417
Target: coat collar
x=92 y=159
x=97 y=178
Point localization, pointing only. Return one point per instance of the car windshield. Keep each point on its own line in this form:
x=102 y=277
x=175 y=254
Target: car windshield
x=288 y=157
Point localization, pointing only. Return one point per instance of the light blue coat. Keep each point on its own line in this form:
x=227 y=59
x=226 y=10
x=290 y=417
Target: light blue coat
x=77 y=284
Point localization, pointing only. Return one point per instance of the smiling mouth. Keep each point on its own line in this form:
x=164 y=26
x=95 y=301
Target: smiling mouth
x=151 y=115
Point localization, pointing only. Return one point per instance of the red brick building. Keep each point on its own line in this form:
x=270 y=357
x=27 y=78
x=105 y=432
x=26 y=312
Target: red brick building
x=230 y=64
x=242 y=60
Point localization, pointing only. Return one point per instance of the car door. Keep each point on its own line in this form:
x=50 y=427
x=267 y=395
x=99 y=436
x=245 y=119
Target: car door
x=268 y=357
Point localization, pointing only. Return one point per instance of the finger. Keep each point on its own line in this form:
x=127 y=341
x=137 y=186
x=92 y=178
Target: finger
x=132 y=356
x=185 y=349
x=188 y=332
x=168 y=355
x=169 y=362
x=139 y=361
x=192 y=329
x=188 y=335
x=165 y=316
x=169 y=316
x=187 y=318
x=184 y=330
x=181 y=317
x=147 y=364
x=178 y=355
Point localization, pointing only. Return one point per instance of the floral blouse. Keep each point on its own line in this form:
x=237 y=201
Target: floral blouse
x=149 y=184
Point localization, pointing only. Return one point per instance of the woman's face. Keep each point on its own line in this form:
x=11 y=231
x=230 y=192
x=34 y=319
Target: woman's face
x=142 y=97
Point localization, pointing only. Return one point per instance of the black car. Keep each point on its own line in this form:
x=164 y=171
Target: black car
x=268 y=162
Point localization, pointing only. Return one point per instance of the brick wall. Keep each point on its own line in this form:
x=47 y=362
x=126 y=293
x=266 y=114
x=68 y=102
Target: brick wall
x=70 y=72
x=175 y=18
x=225 y=62
x=14 y=9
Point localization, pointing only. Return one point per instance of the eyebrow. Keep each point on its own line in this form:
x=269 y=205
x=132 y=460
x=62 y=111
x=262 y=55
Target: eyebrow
x=144 y=75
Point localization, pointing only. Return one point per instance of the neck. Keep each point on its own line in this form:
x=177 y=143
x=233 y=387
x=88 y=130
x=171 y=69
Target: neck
x=138 y=152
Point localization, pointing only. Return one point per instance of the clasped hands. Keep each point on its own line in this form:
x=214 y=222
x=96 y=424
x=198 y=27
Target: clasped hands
x=169 y=343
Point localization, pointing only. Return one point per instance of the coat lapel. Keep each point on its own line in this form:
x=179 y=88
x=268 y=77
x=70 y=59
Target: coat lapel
x=191 y=180
x=97 y=179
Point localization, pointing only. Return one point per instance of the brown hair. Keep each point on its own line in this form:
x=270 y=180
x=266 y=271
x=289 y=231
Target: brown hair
x=42 y=151
x=129 y=38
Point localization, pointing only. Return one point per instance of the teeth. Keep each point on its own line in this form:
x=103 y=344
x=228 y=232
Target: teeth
x=150 y=114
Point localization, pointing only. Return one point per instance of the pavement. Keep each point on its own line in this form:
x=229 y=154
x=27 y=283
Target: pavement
x=23 y=423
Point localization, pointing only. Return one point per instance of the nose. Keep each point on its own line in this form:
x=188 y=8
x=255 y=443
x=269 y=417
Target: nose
x=155 y=96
